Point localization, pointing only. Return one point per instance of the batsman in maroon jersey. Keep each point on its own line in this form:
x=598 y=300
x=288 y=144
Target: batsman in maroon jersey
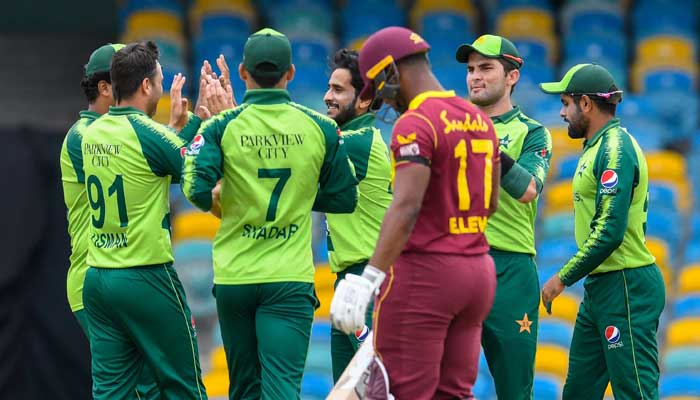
x=440 y=280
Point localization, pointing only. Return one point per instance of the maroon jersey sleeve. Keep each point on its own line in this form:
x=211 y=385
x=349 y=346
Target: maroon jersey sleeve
x=413 y=140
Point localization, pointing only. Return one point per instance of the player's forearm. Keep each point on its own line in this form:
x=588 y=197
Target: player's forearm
x=396 y=229
x=517 y=181
x=342 y=202
x=605 y=237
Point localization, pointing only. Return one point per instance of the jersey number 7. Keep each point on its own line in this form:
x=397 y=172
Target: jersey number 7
x=283 y=174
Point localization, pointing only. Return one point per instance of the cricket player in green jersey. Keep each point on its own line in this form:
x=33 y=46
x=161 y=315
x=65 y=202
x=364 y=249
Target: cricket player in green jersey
x=352 y=237
x=136 y=306
x=509 y=336
x=272 y=156
x=97 y=87
x=615 y=333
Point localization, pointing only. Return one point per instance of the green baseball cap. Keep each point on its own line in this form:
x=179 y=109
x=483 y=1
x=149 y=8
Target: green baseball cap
x=267 y=53
x=589 y=79
x=491 y=46
x=101 y=59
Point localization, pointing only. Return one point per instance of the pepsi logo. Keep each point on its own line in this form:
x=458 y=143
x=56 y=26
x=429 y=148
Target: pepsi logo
x=197 y=142
x=361 y=334
x=612 y=334
x=609 y=179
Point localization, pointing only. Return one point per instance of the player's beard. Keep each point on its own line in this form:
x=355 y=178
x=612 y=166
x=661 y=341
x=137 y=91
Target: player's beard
x=345 y=113
x=578 y=126
x=152 y=106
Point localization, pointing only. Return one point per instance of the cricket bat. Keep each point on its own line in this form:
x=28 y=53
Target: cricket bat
x=353 y=381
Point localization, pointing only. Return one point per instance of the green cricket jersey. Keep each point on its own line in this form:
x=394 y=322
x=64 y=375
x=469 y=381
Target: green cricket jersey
x=352 y=237
x=129 y=162
x=525 y=140
x=272 y=155
x=610 y=205
x=73 y=180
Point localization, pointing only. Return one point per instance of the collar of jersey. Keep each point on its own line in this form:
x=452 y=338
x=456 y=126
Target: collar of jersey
x=507 y=117
x=124 y=110
x=418 y=100
x=610 y=124
x=266 y=96
x=364 y=120
x=89 y=114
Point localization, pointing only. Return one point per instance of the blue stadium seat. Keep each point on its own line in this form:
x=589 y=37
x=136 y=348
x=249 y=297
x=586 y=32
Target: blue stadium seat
x=596 y=46
x=692 y=252
x=452 y=77
x=546 y=111
x=667 y=104
x=484 y=387
x=556 y=250
x=132 y=6
x=567 y=167
x=546 y=387
x=681 y=359
x=695 y=227
x=318 y=359
x=189 y=250
x=310 y=21
x=533 y=52
x=316 y=385
x=635 y=106
x=555 y=331
x=227 y=25
x=658 y=223
x=312 y=77
x=650 y=134
x=194 y=267
x=687 y=306
x=307 y=52
x=444 y=21
x=662 y=80
x=680 y=384
x=528 y=95
x=533 y=75
x=169 y=71
x=596 y=19
x=663 y=197
x=668 y=17
x=321 y=330
x=546 y=269
x=350 y=30
x=558 y=225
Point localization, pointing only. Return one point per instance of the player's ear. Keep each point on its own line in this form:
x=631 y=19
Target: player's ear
x=104 y=88
x=146 y=86
x=290 y=73
x=242 y=73
x=513 y=77
x=362 y=105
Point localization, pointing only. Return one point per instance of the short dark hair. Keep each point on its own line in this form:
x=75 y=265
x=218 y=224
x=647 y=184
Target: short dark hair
x=603 y=104
x=349 y=59
x=507 y=67
x=266 y=81
x=130 y=66
x=89 y=85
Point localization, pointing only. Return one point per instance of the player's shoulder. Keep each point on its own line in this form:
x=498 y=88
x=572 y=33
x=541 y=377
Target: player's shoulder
x=318 y=118
x=222 y=119
x=532 y=124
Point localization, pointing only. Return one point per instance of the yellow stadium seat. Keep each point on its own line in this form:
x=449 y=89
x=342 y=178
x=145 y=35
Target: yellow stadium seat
x=218 y=360
x=608 y=391
x=679 y=398
x=642 y=67
x=323 y=277
x=156 y=20
x=422 y=7
x=659 y=248
x=667 y=166
x=324 y=297
x=559 y=198
x=147 y=33
x=525 y=22
x=564 y=307
x=216 y=383
x=689 y=279
x=682 y=332
x=162 y=114
x=195 y=225
x=667 y=47
x=200 y=8
x=552 y=359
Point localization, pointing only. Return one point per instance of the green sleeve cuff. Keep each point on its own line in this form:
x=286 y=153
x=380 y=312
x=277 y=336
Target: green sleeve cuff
x=516 y=181
x=190 y=129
